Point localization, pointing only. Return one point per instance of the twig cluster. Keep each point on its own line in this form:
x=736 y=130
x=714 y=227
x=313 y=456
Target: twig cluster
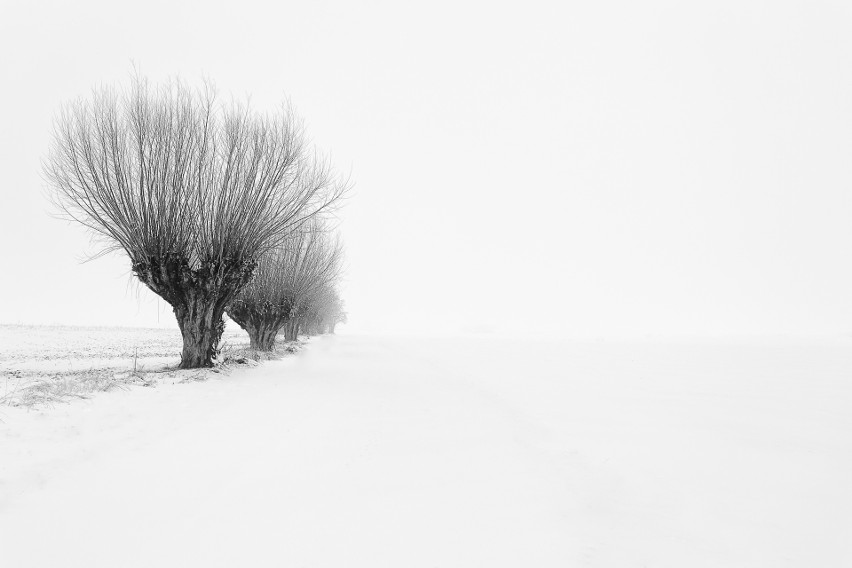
x=294 y=288
x=197 y=193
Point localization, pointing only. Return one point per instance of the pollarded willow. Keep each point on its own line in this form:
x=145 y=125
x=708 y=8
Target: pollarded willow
x=193 y=191
x=288 y=279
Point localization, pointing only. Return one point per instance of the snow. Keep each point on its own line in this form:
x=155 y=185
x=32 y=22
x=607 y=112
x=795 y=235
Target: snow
x=55 y=349
x=381 y=451
x=50 y=363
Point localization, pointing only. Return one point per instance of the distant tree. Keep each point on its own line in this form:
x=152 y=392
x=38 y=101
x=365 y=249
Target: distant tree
x=287 y=281
x=324 y=312
x=193 y=191
x=334 y=313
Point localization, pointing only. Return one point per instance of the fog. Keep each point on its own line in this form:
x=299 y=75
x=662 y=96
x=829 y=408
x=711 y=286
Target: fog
x=580 y=168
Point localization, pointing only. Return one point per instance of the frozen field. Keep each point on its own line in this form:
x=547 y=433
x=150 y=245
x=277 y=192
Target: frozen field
x=91 y=358
x=382 y=452
x=48 y=348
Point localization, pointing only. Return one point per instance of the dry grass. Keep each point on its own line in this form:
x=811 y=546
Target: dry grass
x=233 y=354
x=35 y=391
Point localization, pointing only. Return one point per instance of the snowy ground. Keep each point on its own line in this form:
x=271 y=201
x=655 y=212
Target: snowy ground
x=381 y=452
x=41 y=364
x=61 y=348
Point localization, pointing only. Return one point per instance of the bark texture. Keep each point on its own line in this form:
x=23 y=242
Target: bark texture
x=291 y=330
x=198 y=296
x=261 y=320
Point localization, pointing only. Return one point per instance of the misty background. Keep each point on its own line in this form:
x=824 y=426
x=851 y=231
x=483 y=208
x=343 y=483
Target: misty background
x=578 y=168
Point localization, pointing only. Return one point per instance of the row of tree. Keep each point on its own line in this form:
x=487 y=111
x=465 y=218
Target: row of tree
x=219 y=208
x=293 y=289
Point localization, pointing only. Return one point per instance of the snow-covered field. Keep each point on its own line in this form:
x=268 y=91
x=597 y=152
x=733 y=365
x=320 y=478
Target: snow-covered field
x=61 y=348
x=405 y=452
x=79 y=360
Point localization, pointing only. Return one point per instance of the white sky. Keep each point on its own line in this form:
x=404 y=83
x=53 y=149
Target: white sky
x=586 y=167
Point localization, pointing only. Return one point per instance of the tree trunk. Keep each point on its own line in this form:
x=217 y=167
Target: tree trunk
x=201 y=325
x=263 y=338
x=268 y=343
x=261 y=320
x=291 y=330
x=198 y=295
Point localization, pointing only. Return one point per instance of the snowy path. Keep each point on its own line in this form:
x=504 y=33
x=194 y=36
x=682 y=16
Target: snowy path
x=404 y=453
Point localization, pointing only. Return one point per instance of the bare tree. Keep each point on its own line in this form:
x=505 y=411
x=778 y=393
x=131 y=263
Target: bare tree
x=287 y=280
x=324 y=312
x=193 y=191
x=332 y=312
